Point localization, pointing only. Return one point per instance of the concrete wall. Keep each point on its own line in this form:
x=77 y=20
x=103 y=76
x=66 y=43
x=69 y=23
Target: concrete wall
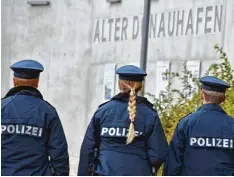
x=179 y=31
x=58 y=37
x=109 y=42
x=73 y=39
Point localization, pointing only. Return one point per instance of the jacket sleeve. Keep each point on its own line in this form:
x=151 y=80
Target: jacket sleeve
x=90 y=142
x=157 y=145
x=57 y=148
x=174 y=160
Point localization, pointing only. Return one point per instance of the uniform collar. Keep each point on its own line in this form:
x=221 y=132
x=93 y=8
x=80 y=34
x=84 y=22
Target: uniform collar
x=212 y=106
x=24 y=90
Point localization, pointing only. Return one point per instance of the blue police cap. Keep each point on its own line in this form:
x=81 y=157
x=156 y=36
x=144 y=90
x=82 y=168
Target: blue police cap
x=131 y=73
x=27 y=69
x=213 y=84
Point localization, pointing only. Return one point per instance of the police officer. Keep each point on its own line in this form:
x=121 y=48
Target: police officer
x=33 y=140
x=202 y=143
x=126 y=131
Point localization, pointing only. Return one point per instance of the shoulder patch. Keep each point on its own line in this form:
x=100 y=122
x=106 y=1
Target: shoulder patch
x=184 y=116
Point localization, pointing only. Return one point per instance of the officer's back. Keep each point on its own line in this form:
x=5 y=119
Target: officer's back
x=31 y=129
x=132 y=158
x=203 y=141
x=127 y=132
x=210 y=143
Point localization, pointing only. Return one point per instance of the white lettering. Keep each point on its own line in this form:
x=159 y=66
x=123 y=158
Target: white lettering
x=34 y=131
x=104 y=130
x=213 y=142
x=124 y=130
x=225 y=143
x=28 y=129
x=3 y=128
x=40 y=132
x=11 y=129
x=17 y=129
x=117 y=132
x=22 y=129
x=207 y=142
x=112 y=131
x=192 y=141
x=201 y=141
x=219 y=142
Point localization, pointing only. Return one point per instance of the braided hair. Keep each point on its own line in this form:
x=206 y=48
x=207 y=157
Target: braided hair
x=133 y=87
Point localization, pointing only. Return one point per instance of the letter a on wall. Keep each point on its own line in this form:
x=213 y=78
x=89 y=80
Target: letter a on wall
x=109 y=81
x=161 y=80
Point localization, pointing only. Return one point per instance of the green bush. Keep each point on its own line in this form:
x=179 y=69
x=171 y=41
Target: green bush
x=171 y=110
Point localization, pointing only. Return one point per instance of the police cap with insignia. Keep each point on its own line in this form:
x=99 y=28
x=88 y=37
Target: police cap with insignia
x=212 y=83
x=131 y=73
x=27 y=69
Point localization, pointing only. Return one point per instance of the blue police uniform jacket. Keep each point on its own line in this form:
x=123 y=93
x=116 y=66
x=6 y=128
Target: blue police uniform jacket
x=202 y=144
x=108 y=130
x=31 y=133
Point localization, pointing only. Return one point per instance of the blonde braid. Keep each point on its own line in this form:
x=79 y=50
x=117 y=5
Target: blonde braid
x=132 y=115
x=134 y=87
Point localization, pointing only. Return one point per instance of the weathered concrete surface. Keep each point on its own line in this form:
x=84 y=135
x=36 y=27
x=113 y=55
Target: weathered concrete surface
x=185 y=30
x=74 y=39
x=211 y=22
x=229 y=31
x=58 y=37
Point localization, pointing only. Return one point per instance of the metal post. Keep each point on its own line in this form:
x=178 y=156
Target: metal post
x=144 y=39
